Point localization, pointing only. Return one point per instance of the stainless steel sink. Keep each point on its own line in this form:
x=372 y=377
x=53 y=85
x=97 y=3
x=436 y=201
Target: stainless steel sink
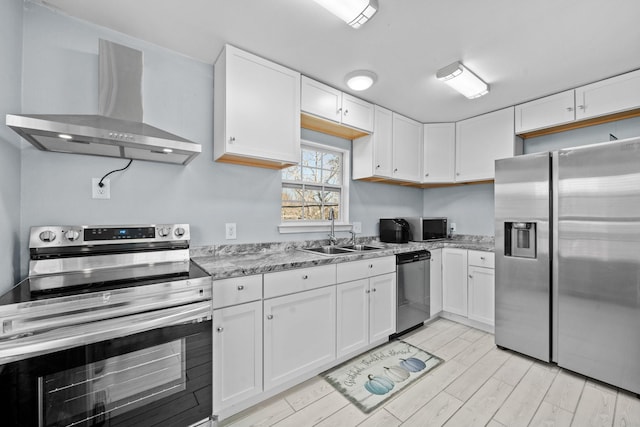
x=327 y=250
x=339 y=250
x=360 y=248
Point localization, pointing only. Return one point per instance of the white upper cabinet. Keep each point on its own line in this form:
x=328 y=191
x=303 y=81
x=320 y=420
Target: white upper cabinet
x=393 y=151
x=331 y=104
x=439 y=153
x=357 y=113
x=608 y=96
x=603 y=98
x=407 y=149
x=256 y=111
x=321 y=100
x=373 y=154
x=481 y=140
x=545 y=112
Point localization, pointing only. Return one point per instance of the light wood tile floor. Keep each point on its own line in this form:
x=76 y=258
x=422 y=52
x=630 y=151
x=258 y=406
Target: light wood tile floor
x=478 y=385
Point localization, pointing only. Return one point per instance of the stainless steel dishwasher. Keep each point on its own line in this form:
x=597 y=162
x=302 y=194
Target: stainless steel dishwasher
x=413 y=293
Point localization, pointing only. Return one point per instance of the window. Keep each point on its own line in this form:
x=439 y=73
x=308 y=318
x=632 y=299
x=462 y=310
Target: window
x=315 y=186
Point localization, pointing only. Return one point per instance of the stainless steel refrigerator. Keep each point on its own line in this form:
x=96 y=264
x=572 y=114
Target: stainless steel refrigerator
x=568 y=259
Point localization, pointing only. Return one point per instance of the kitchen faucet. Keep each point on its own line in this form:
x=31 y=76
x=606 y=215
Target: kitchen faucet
x=332 y=235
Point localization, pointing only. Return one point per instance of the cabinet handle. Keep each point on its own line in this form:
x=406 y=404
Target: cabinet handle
x=377 y=166
x=482 y=258
x=458 y=173
x=374 y=289
x=232 y=139
x=395 y=170
x=569 y=108
x=339 y=110
x=367 y=291
x=370 y=265
x=269 y=316
x=581 y=107
x=346 y=112
x=305 y=277
x=426 y=174
x=240 y=287
x=470 y=277
x=220 y=329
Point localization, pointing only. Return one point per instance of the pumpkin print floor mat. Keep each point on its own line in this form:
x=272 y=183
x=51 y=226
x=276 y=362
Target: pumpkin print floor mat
x=369 y=379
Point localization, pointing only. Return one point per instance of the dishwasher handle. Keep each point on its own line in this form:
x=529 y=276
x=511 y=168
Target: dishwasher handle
x=414 y=256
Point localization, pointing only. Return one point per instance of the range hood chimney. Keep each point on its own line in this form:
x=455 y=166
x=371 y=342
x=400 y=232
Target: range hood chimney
x=118 y=130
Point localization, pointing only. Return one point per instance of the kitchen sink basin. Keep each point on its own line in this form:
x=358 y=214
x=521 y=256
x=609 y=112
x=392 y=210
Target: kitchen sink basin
x=339 y=250
x=360 y=248
x=327 y=250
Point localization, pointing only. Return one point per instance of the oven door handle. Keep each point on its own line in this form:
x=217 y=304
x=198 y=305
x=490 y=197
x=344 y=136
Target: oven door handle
x=24 y=347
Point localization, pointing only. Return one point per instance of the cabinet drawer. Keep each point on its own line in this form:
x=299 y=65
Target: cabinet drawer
x=301 y=279
x=482 y=259
x=236 y=290
x=348 y=271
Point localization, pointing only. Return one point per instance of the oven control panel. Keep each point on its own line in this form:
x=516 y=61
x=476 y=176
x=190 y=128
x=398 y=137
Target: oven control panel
x=92 y=235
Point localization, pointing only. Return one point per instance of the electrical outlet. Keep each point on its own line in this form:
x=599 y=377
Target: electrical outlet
x=453 y=227
x=98 y=192
x=230 y=230
x=356 y=227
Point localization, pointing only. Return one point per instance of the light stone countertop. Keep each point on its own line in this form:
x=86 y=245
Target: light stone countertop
x=241 y=260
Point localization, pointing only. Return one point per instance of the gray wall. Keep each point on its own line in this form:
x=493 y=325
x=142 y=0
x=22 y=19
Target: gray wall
x=61 y=76
x=471 y=207
x=10 y=71
x=621 y=129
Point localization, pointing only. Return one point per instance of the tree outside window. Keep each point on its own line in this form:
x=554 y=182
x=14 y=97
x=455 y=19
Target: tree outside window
x=313 y=187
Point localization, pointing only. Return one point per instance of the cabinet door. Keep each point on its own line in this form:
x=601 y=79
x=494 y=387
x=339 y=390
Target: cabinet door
x=383 y=142
x=545 y=112
x=608 y=96
x=482 y=294
x=407 y=149
x=237 y=360
x=262 y=108
x=352 y=316
x=480 y=141
x=454 y=281
x=435 y=282
x=382 y=311
x=357 y=113
x=439 y=149
x=321 y=100
x=299 y=334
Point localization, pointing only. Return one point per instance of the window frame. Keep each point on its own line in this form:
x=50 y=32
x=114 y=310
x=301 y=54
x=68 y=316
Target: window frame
x=314 y=226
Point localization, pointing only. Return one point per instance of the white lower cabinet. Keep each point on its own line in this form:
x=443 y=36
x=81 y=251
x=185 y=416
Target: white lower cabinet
x=435 y=282
x=366 y=312
x=469 y=284
x=382 y=307
x=482 y=294
x=237 y=354
x=454 y=279
x=299 y=334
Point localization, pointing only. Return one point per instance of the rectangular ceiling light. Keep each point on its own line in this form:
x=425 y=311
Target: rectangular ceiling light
x=353 y=12
x=463 y=80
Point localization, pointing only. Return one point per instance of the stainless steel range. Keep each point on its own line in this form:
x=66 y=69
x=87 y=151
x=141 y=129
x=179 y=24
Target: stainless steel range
x=112 y=327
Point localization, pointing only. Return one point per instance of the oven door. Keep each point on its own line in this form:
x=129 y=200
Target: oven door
x=159 y=376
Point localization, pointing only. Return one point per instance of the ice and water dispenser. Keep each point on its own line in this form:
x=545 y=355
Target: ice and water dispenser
x=520 y=239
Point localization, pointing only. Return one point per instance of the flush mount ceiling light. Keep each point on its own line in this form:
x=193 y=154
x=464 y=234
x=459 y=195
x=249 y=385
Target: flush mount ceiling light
x=353 y=12
x=463 y=80
x=360 y=80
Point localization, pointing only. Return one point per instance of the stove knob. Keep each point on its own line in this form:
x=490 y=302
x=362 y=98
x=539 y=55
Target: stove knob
x=72 y=235
x=179 y=232
x=164 y=231
x=47 y=236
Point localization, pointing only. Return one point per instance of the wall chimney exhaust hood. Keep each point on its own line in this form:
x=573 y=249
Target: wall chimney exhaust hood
x=118 y=130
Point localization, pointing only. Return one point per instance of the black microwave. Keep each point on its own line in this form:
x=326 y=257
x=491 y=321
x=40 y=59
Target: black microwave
x=428 y=228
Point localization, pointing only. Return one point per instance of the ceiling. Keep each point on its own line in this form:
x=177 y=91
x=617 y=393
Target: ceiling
x=524 y=49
